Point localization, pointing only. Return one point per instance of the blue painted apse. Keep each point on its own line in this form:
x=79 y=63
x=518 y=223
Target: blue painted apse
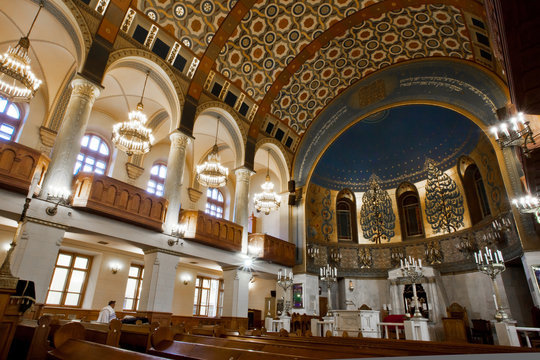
x=394 y=144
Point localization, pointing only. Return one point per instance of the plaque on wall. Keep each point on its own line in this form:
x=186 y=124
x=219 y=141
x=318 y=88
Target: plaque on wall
x=298 y=299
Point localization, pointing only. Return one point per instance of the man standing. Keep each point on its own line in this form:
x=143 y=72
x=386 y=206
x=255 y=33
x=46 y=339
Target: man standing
x=107 y=313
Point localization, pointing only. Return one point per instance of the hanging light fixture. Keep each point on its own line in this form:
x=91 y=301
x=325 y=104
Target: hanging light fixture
x=17 y=81
x=212 y=174
x=267 y=200
x=132 y=136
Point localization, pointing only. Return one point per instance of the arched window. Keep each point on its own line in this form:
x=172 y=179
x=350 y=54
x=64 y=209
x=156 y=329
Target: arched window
x=346 y=216
x=214 y=203
x=475 y=193
x=94 y=155
x=410 y=213
x=156 y=184
x=10 y=119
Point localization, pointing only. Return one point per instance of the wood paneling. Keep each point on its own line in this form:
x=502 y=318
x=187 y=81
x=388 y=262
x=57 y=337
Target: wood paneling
x=273 y=249
x=107 y=196
x=211 y=231
x=18 y=164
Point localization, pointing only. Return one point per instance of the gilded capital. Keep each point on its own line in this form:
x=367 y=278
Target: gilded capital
x=85 y=88
x=243 y=174
x=179 y=140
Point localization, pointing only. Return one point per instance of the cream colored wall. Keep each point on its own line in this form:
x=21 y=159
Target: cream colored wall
x=37 y=111
x=259 y=289
x=6 y=236
x=184 y=294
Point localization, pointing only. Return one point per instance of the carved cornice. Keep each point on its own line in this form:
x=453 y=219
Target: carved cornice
x=194 y=194
x=134 y=171
x=47 y=136
x=47 y=223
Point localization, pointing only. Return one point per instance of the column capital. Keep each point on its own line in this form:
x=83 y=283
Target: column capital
x=85 y=88
x=243 y=173
x=180 y=140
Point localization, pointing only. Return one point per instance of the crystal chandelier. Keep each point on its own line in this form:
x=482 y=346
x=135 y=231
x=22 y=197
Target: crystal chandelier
x=267 y=200
x=212 y=174
x=17 y=81
x=132 y=136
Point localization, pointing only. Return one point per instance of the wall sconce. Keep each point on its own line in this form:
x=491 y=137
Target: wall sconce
x=115 y=267
x=6 y=246
x=178 y=231
x=185 y=278
x=61 y=196
x=514 y=132
x=313 y=251
x=528 y=205
x=351 y=285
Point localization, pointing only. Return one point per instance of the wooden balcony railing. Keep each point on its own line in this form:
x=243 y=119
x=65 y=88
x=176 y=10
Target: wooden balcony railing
x=272 y=249
x=211 y=231
x=107 y=196
x=18 y=164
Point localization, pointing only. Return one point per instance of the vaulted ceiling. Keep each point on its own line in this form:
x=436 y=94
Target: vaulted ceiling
x=294 y=57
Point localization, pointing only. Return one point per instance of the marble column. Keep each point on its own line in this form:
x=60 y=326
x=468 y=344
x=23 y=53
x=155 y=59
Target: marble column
x=235 y=296
x=241 y=202
x=158 y=285
x=173 y=182
x=35 y=255
x=68 y=141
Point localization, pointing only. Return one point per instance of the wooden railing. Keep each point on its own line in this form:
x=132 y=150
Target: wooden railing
x=272 y=249
x=107 y=196
x=18 y=164
x=211 y=231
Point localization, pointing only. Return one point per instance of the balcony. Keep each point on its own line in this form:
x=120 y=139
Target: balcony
x=103 y=195
x=209 y=230
x=272 y=249
x=18 y=164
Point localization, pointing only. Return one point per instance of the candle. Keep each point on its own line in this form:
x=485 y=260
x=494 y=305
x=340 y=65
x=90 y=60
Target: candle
x=321 y=272
x=389 y=307
x=500 y=255
x=476 y=257
x=420 y=262
x=401 y=262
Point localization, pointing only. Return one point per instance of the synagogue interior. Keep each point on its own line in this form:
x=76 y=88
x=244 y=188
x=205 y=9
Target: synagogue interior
x=360 y=170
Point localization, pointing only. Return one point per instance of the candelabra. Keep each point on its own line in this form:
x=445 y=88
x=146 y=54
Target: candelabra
x=491 y=263
x=335 y=255
x=528 y=205
x=329 y=275
x=412 y=271
x=285 y=281
x=515 y=132
x=313 y=251
x=467 y=245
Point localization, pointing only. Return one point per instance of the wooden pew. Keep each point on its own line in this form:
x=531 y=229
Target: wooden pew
x=163 y=345
x=137 y=337
x=30 y=340
x=69 y=345
x=405 y=347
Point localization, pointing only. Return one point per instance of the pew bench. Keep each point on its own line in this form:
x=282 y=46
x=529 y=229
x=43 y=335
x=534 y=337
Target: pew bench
x=69 y=344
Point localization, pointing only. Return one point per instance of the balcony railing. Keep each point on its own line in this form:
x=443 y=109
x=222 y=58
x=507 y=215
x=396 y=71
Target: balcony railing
x=209 y=230
x=107 y=196
x=18 y=164
x=272 y=249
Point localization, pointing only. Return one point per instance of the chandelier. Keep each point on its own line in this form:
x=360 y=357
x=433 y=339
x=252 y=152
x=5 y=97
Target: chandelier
x=132 y=136
x=267 y=200
x=17 y=81
x=212 y=174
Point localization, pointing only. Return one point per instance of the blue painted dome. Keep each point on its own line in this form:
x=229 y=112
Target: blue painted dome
x=394 y=144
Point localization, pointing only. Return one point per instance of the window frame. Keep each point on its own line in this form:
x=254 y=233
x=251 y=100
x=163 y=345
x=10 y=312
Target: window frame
x=15 y=123
x=198 y=292
x=68 y=278
x=156 y=178
x=347 y=198
x=478 y=205
x=404 y=191
x=96 y=155
x=139 y=279
x=218 y=204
